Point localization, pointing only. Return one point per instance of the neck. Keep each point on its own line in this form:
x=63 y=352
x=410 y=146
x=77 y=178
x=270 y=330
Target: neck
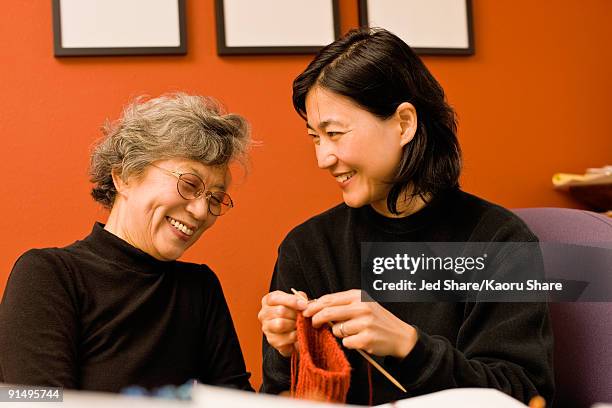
x=405 y=206
x=113 y=223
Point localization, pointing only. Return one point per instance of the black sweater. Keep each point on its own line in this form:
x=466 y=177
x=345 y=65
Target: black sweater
x=507 y=346
x=102 y=315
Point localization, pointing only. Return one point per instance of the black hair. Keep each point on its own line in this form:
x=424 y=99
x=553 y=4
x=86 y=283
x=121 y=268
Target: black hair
x=378 y=71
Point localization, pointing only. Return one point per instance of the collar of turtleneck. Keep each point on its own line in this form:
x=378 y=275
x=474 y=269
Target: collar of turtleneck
x=116 y=250
x=412 y=222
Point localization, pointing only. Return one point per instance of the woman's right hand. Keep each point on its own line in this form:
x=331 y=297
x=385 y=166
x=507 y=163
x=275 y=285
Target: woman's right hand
x=277 y=316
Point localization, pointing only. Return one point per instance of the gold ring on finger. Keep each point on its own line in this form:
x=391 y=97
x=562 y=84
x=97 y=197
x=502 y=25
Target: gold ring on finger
x=342 y=329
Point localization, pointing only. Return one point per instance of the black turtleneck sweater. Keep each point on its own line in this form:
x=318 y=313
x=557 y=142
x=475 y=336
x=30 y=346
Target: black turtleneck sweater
x=101 y=315
x=507 y=346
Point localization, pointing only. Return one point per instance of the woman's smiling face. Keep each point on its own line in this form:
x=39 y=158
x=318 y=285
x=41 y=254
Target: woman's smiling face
x=150 y=214
x=360 y=150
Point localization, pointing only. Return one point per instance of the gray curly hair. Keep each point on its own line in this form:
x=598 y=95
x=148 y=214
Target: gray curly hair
x=171 y=126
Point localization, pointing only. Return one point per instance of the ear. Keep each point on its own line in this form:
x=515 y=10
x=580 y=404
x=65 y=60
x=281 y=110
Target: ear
x=407 y=117
x=120 y=185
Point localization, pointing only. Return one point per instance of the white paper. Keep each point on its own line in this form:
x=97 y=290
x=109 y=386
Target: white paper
x=423 y=23
x=280 y=23
x=119 y=23
x=206 y=396
x=461 y=398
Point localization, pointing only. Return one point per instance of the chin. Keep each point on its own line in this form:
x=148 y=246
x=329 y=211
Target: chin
x=354 y=202
x=171 y=255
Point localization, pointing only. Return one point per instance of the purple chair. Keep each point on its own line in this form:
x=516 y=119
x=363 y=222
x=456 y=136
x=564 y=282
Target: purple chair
x=583 y=330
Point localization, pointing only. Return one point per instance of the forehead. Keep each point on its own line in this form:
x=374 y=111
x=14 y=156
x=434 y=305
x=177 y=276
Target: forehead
x=324 y=107
x=213 y=176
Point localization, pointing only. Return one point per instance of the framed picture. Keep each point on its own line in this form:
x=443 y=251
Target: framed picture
x=275 y=26
x=118 y=27
x=427 y=26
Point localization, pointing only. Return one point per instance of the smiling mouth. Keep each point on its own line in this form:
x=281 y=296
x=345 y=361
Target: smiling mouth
x=341 y=178
x=180 y=226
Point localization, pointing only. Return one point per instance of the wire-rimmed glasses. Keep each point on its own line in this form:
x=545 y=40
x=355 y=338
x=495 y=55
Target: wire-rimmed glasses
x=191 y=186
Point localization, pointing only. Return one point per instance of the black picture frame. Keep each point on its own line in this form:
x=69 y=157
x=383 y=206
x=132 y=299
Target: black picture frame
x=224 y=49
x=441 y=50
x=63 y=51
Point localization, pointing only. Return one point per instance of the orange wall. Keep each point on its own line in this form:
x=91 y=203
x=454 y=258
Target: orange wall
x=533 y=100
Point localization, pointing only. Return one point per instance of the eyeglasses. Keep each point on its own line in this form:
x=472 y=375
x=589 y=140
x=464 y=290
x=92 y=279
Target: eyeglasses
x=190 y=186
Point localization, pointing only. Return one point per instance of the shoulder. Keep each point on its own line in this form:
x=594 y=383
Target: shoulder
x=198 y=275
x=491 y=222
x=200 y=283
x=41 y=273
x=41 y=262
x=321 y=224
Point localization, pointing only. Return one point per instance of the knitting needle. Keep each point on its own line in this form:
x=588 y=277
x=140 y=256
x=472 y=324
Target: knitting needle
x=363 y=353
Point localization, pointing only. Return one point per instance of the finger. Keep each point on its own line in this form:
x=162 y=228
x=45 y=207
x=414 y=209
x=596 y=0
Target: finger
x=282 y=340
x=340 y=329
x=333 y=299
x=340 y=298
x=278 y=326
x=284 y=344
x=302 y=295
x=273 y=312
x=360 y=341
x=331 y=314
x=281 y=298
x=354 y=326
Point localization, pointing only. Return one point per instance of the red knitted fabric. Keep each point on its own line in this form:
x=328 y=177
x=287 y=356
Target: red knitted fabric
x=323 y=372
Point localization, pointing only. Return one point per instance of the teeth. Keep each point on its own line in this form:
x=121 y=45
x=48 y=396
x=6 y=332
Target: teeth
x=344 y=177
x=181 y=227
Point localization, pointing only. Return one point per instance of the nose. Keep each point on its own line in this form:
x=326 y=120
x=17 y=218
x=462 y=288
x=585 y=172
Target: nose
x=198 y=208
x=326 y=154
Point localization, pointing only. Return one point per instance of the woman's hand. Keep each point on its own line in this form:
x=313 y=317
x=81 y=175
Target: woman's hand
x=363 y=325
x=277 y=316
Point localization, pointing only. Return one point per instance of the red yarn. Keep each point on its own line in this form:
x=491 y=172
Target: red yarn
x=323 y=372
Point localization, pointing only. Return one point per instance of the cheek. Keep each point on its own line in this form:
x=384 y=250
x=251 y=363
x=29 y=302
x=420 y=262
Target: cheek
x=371 y=145
x=166 y=200
x=387 y=151
x=375 y=159
x=154 y=210
x=355 y=152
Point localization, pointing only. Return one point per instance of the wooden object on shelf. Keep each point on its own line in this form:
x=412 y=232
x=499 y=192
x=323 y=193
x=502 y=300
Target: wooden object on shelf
x=592 y=189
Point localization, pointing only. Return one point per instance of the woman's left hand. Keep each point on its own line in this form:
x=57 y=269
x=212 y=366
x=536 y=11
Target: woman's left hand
x=363 y=325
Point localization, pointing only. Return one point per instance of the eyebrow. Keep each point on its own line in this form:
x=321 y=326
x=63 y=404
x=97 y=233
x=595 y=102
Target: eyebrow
x=325 y=124
x=197 y=173
x=220 y=187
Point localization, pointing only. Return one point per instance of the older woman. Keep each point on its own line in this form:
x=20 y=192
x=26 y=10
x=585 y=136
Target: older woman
x=117 y=308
